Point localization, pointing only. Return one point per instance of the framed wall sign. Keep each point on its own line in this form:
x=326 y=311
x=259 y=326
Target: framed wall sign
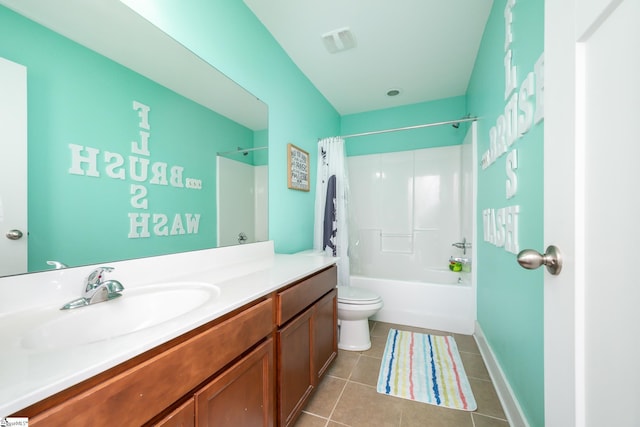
x=297 y=168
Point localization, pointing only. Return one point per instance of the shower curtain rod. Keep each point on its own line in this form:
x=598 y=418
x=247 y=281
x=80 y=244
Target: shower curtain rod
x=241 y=150
x=426 y=125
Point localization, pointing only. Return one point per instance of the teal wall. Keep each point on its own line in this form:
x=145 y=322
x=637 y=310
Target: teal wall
x=409 y=115
x=510 y=299
x=252 y=157
x=226 y=34
x=261 y=139
x=76 y=96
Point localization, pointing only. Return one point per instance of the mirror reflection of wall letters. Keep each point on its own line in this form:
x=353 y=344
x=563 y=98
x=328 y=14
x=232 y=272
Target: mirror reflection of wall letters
x=119 y=166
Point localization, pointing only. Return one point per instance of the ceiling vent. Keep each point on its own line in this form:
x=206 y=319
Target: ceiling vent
x=339 y=40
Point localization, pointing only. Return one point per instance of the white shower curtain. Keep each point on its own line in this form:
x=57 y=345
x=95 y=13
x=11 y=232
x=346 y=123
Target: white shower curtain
x=331 y=234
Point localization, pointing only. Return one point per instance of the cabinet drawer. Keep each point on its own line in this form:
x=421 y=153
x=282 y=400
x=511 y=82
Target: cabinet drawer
x=140 y=393
x=296 y=298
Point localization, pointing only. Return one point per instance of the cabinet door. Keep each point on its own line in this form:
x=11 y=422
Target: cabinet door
x=243 y=395
x=184 y=416
x=295 y=374
x=325 y=333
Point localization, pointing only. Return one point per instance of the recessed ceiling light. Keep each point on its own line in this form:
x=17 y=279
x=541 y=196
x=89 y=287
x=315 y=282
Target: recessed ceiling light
x=393 y=92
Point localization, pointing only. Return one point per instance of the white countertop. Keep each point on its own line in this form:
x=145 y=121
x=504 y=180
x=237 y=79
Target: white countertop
x=27 y=376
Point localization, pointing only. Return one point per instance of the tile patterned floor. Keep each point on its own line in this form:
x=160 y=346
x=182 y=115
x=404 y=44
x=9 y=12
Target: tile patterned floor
x=347 y=395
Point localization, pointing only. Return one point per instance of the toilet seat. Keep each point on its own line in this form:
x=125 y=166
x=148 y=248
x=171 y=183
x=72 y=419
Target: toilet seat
x=356 y=296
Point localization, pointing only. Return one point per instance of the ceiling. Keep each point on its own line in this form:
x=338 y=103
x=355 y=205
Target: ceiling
x=424 y=48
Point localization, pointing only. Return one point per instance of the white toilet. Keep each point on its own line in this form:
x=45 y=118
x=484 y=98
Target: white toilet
x=355 y=306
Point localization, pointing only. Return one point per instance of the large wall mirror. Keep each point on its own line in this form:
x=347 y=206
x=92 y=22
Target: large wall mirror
x=135 y=146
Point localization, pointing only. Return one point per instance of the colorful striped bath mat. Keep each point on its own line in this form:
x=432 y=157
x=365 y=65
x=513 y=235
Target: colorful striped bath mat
x=425 y=368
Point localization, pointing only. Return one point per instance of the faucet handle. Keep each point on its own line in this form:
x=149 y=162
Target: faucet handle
x=57 y=264
x=95 y=278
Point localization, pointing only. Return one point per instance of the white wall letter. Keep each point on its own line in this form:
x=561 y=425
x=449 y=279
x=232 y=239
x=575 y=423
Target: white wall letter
x=144 y=166
x=525 y=120
x=177 y=227
x=160 y=228
x=159 y=171
x=193 y=221
x=512 y=178
x=143 y=113
x=511 y=116
x=489 y=221
x=500 y=232
x=138 y=225
x=138 y=196
x=510 y=74
x=539 y=70
x=77 y=159
x=176 y=176
x=508 y=20
x=501 y=143
x=143 y=147
x=511 y=244
x=114 y=161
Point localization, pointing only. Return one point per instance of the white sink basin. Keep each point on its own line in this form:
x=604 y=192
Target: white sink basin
x=137 y=309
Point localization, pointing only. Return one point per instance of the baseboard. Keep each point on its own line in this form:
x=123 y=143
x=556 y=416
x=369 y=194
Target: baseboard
x=510 y=404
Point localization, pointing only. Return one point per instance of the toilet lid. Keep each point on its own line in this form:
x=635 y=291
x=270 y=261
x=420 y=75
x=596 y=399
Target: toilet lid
x=354 y=295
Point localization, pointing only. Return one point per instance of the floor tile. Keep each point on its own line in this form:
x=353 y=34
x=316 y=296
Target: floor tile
x=418 y=414
x=482 y=421
x=366 y=371
x=466 y=343
x=377 y=347
x=381 y=329
x=307 y=420
x=326 y=396
x=486 y=398
x=343 y=365
x=474 y=366
x=362 y=406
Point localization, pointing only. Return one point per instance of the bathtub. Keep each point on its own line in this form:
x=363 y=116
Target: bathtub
x=446 y=301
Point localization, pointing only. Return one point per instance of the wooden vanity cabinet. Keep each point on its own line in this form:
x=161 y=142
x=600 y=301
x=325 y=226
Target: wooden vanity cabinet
x=136 y=392
x=256 y=366
x=306 y=315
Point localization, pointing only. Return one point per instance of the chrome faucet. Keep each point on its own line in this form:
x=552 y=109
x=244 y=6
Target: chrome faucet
x=462 y=245
x=96 y=289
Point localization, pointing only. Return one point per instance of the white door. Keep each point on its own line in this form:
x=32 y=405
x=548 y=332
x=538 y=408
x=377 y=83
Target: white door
x=592 y=212
x=13 y=168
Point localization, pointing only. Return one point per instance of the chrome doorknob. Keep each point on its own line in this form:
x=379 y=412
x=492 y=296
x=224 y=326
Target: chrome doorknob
x=14 y=234
x=531 y=259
